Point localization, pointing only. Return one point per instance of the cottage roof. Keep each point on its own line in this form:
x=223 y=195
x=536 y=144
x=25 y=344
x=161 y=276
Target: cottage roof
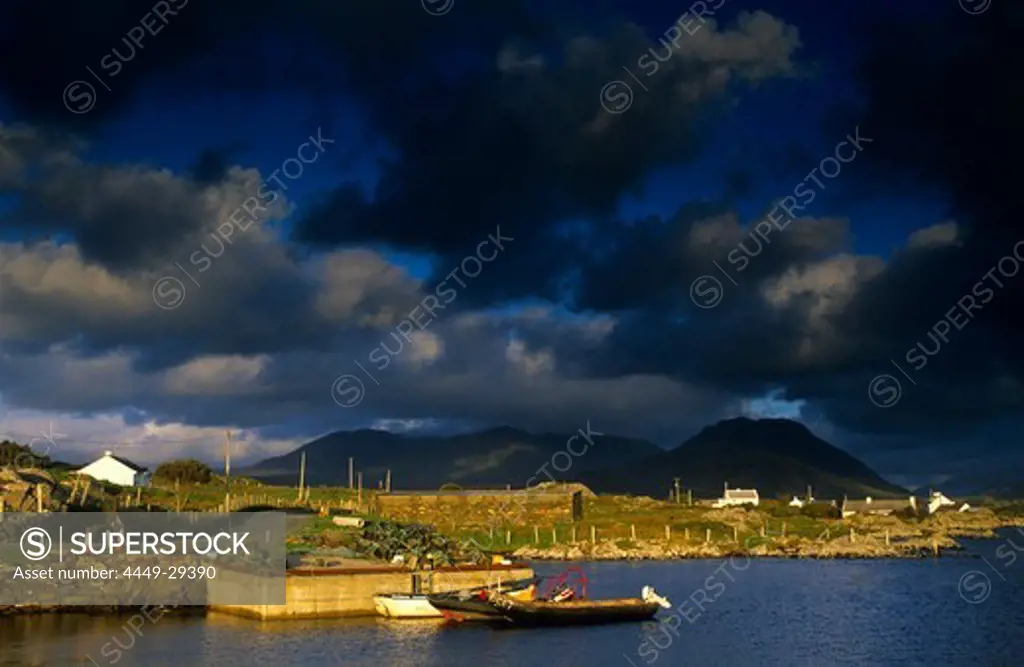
x=894 y=505
x=125 y=462
x=741 y=494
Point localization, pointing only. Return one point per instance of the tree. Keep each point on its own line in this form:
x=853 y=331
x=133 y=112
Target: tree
x=184 y=471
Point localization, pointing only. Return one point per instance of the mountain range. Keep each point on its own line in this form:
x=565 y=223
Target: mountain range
x=776 y=456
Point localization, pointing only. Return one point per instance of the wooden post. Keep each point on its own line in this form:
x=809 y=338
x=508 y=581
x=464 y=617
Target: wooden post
x=536 y=535
x=227 y=471
x=593 y=534
x=574 y=533
x=302 y=475
x=490 y=531
x=554 y=535
x=764 y=529
x=887 y=542
x=668 y=532
x=707 y=535
x=686 y=534
x=359 y=489
x=508 y=537
x=387 y=482
x=736 y=534
x=783 y=529
x=689 y=497
x=351 y=472
x=632 y=532
x=39 y=498
x=138 y=496
x=853 y=536
x=678 y=494
x=935 y=546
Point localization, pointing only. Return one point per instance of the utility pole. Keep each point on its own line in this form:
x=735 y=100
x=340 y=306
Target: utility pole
x=387 y=483
x=302 y=475
x=810 y=494
x=689 y=497
x=679 y=496
x=351 y=480
x=227 y=471
x=359 y=497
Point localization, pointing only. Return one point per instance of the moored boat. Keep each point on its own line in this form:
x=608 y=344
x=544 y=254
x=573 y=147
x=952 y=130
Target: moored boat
x=577 y=611
x=403 y=605
x=398 y=605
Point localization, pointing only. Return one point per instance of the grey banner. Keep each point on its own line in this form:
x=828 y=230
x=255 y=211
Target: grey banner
x=142 y=558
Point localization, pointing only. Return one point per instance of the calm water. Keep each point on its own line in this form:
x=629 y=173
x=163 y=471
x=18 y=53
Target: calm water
x=755 y=613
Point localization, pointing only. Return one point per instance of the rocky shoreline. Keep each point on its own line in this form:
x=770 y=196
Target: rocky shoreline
x=842 y=548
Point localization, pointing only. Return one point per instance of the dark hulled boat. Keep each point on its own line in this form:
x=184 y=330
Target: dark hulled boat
x=573 y=612
x=473 y=604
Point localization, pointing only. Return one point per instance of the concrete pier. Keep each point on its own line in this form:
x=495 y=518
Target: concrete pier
x=348 y=592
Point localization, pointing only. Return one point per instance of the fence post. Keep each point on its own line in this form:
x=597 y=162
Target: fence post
x=736 y=534
x=593 y=534
x=668 y=532
x=632 y=532
x=783 y=529
x=574 y=534
x=554 y=535
x=707 y=535
x=508 y=537
x=536 y=535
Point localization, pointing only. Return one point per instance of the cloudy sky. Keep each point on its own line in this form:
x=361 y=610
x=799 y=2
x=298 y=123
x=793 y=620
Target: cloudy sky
x=287 y=218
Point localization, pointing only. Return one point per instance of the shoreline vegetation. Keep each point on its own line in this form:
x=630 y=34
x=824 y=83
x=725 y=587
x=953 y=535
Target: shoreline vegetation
x=613 y=527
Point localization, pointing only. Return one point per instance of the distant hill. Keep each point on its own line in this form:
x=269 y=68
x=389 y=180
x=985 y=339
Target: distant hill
x=1007 y=486
x=775 y=456
x=491 y=458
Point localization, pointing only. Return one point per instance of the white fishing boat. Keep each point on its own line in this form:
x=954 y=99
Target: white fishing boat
x=397 y=605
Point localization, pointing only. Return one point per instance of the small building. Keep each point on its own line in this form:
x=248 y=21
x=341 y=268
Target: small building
x=874 y=507
x=116 y=470
x=737 y=497
x=937 y=500
x=799 y=502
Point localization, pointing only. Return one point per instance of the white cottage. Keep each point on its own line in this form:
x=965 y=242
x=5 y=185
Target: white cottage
x=116 y=470
x=937 y=500
x=735 y=497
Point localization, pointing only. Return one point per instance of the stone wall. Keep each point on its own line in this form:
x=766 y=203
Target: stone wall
x=466 y=510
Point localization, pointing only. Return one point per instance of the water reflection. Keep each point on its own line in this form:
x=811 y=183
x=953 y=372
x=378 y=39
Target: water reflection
x=774 y=613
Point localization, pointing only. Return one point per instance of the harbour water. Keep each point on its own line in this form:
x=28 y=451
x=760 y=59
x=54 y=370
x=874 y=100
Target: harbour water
x=948 y=611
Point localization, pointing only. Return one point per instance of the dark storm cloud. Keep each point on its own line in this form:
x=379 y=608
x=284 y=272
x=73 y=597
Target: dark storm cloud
x=190 y=47
x=955 y=130
x=529 y=147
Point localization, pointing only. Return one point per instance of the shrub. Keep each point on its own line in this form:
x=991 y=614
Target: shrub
x=185 y=471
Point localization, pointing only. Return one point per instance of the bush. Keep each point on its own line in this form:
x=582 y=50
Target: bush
x=11 y=453
x=821 y=511
x=185 y=471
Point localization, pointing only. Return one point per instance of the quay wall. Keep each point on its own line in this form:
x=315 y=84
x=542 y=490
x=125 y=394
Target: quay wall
x=340 y=593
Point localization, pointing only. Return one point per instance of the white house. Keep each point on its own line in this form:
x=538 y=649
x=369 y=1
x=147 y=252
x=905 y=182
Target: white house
x=735 y=497
x=114 y=469
x=938 y=500
x=798 y=502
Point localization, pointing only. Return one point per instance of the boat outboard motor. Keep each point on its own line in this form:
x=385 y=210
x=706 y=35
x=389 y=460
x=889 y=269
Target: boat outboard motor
x=650 y=595
x=562 y=593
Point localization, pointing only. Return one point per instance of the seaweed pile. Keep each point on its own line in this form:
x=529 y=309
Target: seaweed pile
x=386 y=539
